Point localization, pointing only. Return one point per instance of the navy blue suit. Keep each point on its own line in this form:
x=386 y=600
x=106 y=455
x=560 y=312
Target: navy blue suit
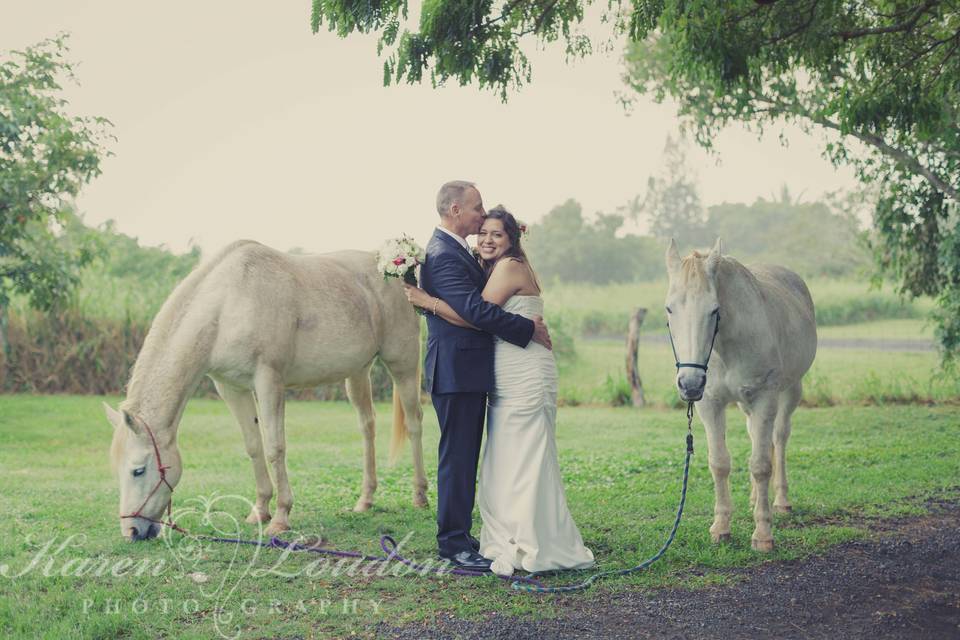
x=459 y=374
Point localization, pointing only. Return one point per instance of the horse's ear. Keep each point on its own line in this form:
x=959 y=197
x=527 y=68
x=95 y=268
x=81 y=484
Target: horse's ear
x=672 y=257
x=132 y=423
x=713 y=259
x=114 y=416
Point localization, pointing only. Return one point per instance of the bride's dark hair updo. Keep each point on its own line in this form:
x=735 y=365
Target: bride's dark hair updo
x=512 y=228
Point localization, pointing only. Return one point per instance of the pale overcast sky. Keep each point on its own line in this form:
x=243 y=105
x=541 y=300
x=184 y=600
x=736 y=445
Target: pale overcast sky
x=234 y=120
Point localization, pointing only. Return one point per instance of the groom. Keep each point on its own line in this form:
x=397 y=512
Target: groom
x=459 y=364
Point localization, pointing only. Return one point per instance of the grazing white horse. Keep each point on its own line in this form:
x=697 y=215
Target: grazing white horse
x=761 y=325
x=258 y=321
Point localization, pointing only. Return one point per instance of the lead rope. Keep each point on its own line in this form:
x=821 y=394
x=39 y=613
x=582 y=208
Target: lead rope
x=387 y=543
x=533 y=588
x=528 y=583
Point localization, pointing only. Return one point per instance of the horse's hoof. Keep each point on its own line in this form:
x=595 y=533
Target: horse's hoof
x=362 y=505
x=782 y=508
x=763 y=546
x=420 y=502
x=258 y=517
x=276 y=528
x=720 y=538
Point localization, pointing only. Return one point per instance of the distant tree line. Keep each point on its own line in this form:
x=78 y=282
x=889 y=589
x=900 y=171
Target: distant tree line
x=812 y=238
x=124 y=257
x=568 y=248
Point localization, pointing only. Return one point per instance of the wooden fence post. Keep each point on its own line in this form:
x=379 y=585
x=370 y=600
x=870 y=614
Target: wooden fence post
x=633 y=340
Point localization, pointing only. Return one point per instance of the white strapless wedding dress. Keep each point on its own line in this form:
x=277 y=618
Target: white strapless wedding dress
x=526 y=522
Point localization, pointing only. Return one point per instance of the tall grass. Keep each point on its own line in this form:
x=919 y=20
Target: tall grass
x=837 y=377
x=840 y=302
x=592 y=310
x=69 y=352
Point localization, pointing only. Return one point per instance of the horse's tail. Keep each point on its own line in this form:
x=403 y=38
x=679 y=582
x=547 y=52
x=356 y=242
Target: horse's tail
x=400 y=433
x=399 y=426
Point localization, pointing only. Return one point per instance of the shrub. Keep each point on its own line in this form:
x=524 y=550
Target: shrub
x=817 y=391
x=865 y=308
x=616 y=391
x=67 y=352
x=570 y=396
x=561 y=334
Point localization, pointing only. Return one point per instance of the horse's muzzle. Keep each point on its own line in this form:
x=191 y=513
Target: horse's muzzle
x=691 y=387
x=143 y=530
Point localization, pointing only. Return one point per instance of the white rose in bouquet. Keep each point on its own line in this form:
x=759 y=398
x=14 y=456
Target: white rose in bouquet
x=399 y=258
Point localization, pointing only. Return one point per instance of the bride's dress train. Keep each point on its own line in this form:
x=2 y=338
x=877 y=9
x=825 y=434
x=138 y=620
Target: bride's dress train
x=526 y=522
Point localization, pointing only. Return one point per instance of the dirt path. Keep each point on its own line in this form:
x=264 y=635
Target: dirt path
x=902 y=583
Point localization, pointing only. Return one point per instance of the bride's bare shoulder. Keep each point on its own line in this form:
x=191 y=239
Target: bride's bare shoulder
x=508 y=264
x=509 y=268
x=518 y=272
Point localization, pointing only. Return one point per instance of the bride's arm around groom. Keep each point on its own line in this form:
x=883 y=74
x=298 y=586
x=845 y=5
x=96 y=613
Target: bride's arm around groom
x=506 y=278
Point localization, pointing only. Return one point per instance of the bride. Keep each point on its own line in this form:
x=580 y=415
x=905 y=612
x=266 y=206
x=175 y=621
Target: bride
x=526 y=522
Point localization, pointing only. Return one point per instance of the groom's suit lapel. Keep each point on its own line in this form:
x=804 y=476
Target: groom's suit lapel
x=458 y=249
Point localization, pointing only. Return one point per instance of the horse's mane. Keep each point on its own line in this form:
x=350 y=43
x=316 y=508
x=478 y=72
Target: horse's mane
x=167 y=319
x=694 y=273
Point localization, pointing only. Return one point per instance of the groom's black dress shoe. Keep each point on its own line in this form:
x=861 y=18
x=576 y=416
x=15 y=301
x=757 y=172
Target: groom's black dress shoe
x=470 y=560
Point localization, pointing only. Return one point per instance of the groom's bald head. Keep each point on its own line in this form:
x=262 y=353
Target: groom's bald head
x=452 y=193
x=460 y=207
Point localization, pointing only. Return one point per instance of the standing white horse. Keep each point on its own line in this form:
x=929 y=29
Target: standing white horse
x=760 y=324
x=258 y=321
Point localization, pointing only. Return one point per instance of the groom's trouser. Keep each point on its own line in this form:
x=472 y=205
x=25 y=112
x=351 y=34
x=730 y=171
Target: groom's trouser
x=461 y=431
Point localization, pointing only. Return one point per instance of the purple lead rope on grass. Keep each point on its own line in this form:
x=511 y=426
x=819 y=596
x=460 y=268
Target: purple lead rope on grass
x=391 y=551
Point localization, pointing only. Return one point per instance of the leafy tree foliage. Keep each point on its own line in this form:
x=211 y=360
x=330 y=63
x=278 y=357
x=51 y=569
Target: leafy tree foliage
x=813 y=238
x=124 y=257
x=468 y=40
x=46 y=156
x=880 y=74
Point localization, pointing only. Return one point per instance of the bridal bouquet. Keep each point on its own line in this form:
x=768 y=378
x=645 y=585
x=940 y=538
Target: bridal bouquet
x=399 y=258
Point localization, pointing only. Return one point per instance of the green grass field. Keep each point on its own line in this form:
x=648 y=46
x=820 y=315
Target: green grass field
x=898 y=329
x=605 y=310
x=622 y=470
x=838 y=375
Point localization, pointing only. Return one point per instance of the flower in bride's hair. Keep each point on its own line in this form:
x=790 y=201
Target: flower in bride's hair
x=523 y=228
